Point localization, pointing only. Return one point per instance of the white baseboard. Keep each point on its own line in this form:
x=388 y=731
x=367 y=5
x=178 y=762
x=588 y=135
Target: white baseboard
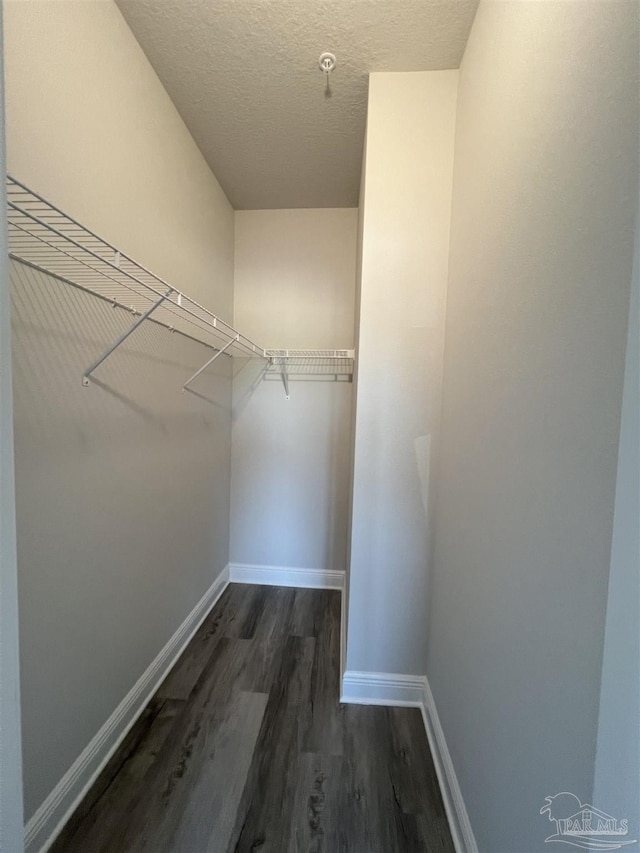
x=55 y=811
x=459 y=824
x=383 y=688
x=286 y=576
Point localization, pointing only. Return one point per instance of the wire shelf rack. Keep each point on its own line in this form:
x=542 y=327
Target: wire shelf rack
x=309 y=365
x=308 y=370
x=45 y=238
x=340 y=369
x=324 y=355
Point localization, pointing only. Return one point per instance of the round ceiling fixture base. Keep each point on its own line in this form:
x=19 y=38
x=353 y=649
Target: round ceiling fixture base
x=327 y=62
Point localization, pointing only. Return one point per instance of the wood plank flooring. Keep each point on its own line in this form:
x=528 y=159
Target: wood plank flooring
x=245 y=748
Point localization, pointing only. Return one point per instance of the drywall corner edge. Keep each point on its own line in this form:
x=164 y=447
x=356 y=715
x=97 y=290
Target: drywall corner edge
x=50 y=818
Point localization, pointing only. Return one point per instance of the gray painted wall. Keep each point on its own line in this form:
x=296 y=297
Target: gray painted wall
x=122 y=507
x=294 y=287
x=405 y=241
x=545 y=182
x=122 y=487
x=617 y=776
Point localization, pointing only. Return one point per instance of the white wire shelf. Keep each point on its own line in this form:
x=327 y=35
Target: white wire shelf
x=45 y=238
x=331 y=367
x=322 y=354
x=309 y=365
x=309 y=370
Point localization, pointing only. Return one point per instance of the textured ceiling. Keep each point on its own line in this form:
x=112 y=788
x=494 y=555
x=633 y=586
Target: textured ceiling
x=244 y=76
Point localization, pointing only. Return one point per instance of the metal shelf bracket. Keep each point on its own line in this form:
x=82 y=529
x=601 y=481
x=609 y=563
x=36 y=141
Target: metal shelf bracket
x=86 y=376
x=185 y=387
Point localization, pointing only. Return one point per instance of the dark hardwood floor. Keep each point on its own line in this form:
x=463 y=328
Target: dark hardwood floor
x=245 y=747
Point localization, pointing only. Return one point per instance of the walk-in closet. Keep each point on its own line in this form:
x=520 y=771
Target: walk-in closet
x=319 y=426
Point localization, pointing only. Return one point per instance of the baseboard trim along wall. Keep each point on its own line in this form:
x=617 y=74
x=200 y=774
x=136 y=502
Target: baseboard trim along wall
x=286 y=576
x=384 y=688
x=50 y=818
x=459 y=823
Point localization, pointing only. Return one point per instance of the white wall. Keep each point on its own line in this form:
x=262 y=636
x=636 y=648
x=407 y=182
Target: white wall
x=123 y=487
x=294 y=287
x=405 y=239
x=617 y=779
x=545 y=187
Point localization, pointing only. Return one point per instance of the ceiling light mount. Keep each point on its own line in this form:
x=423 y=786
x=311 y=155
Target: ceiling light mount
x=327 y=62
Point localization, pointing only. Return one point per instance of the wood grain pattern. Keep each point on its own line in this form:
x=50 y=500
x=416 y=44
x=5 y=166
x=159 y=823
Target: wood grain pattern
x=182 y=678
x=246 y=749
